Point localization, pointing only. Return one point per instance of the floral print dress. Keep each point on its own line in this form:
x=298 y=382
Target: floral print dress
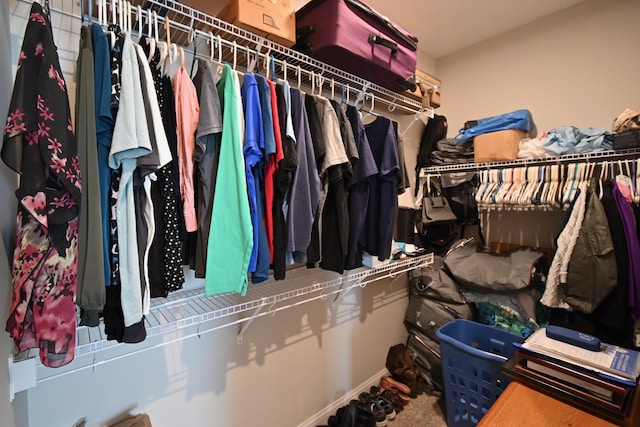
x=39 y=145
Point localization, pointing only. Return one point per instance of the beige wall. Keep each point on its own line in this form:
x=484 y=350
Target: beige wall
x=577 y=67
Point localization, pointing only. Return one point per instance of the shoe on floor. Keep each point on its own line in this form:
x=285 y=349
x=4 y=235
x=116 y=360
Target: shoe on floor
x=389 y=383
x=379 y=413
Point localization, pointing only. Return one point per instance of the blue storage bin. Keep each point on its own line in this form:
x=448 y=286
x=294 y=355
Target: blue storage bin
x=472 y=357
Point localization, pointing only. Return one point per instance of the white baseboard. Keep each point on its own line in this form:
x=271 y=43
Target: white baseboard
x=321 y=417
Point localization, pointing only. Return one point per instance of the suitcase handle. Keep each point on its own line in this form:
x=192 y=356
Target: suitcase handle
x=373 y=39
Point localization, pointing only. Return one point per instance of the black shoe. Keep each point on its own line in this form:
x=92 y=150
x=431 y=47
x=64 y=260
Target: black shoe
x=373 y=407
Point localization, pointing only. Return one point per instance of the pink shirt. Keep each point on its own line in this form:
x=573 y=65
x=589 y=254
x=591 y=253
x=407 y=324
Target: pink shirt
x=187 y=114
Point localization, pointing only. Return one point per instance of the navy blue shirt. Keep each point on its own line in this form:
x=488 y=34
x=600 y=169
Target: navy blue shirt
x=383 y=189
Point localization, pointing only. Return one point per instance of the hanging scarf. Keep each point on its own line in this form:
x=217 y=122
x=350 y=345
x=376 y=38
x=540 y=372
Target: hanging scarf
x=39 y=144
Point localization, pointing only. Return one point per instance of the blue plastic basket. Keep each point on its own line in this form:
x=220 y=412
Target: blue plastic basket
x=472 y=356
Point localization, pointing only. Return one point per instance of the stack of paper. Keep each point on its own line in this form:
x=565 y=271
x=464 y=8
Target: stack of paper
x=619 y=363
x=602 y=379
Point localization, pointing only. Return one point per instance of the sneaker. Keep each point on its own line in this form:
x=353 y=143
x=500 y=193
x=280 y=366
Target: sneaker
x=373 y=407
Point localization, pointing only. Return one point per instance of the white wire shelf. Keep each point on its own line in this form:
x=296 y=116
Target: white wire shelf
x=290 y=64
x=187 y=314
x=596 y=156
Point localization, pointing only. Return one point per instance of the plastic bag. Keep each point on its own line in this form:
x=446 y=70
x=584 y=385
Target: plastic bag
x=519 y=119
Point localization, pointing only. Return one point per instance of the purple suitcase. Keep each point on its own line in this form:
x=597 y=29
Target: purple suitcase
x=351 y=36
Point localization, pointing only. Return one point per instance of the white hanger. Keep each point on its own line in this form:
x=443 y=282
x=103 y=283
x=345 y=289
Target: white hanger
x=110 y=34
x=371 y=111
x=139 y=21
x=172 y=58
x=603 y=173
x=100 y=12
x=120 y=14
x=164 y=53
x=527 y=196
x=546 y=186
x=320 y=78
x=150 y=38
x=211 y=47
x=219 y=39
x=313 y=82
x=129 y=11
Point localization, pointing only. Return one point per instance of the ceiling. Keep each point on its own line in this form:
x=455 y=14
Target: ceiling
x=446 y=26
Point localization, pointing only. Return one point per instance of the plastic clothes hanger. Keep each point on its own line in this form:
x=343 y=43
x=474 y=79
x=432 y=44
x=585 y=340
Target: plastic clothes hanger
x=484 y=182
x=603 y=173
x=553 y=186
x=492 y=181
x=505 y=175
x=151 y=40
x=139 y=22
x=518 y=182
x=211 y=45
x=568 y=174
x=110 y=33
x=529 y=195
x=577 y=170
x=544 y=192
x=371 y=111
x=535 y=197
x=235 y=56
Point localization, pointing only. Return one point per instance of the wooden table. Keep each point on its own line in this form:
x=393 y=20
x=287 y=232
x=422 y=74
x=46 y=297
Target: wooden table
x=521 y=406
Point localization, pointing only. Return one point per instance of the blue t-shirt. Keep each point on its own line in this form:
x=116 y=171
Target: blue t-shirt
x=383 y=189
x=104 y=131
x=254 y=140
x=358 y=188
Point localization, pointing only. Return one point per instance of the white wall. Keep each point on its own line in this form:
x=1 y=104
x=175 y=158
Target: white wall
x=577 y=67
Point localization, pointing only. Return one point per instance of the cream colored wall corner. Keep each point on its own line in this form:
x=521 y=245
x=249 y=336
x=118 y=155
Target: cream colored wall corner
x=577 y=67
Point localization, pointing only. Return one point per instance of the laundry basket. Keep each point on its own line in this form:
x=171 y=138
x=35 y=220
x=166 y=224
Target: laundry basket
x=472 y=356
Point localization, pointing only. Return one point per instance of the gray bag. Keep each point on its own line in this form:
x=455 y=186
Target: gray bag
x=490 y=272
x=435 y=207
x=433 y=282
x=427 y=315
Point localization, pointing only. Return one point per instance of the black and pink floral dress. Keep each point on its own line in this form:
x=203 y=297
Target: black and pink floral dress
x=39 y=144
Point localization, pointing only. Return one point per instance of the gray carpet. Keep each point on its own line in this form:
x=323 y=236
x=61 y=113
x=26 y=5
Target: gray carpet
x=423 y=411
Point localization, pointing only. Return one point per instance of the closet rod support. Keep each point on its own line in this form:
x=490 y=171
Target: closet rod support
x=340 y=293
x=247 y=322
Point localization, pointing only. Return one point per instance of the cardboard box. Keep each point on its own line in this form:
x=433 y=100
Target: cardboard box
x=498 y=146
x=425 y=91
x=272 y=19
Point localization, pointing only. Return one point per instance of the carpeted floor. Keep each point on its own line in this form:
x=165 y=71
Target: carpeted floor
x=423 y=411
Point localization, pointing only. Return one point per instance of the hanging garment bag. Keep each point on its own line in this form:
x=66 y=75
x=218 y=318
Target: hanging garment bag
x=351 y=36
